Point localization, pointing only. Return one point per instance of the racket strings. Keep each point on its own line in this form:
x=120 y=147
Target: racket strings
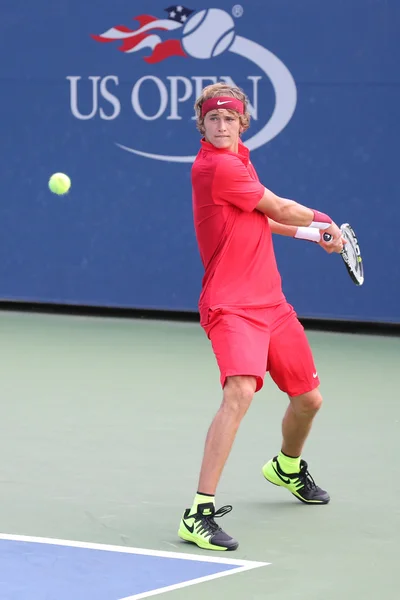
x=351 y=254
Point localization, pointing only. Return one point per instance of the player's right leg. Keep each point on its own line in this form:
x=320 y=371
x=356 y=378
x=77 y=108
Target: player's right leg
x=198 y=524
x=240 y=345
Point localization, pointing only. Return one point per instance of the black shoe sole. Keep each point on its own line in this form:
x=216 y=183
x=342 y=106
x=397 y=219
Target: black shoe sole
x=303 y=500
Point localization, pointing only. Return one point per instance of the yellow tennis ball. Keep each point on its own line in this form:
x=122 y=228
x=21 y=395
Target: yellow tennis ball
x=59 y=183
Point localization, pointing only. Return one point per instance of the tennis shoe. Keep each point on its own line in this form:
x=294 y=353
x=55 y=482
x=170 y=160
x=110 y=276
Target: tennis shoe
x=200 y=528
x=300 y=484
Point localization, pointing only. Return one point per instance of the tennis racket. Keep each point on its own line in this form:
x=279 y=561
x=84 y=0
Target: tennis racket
x=350 y=254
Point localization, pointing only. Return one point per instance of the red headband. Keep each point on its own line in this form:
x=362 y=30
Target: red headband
x=222 y=102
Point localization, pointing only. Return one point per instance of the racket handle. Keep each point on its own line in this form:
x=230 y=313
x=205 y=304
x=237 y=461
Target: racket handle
x=327 y=238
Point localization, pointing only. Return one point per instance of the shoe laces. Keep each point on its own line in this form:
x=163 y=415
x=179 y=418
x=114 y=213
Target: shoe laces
x=207 y=521
x=305 y=477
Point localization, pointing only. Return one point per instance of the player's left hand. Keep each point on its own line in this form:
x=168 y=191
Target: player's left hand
x=333 y=245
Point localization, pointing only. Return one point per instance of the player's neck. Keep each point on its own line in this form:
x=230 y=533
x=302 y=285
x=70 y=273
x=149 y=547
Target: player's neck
x=235 y=147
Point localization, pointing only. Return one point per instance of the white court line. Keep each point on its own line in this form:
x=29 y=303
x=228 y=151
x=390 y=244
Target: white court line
x=241 y=565
x=178 y=586
x=129 y=550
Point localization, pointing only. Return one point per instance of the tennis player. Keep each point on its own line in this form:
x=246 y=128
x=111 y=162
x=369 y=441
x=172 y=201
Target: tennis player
x=243 y=311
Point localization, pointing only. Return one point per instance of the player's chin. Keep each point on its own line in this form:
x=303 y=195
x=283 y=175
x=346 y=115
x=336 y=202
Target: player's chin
x=222 y=141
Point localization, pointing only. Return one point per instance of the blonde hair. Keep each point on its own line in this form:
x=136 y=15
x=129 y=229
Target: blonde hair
x=221 y=89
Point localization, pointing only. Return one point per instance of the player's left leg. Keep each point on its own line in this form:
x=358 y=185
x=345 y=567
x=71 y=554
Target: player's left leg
x=298 y=420
x=291 y=366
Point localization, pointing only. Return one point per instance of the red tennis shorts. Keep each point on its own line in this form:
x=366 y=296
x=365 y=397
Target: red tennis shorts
x=254 y=341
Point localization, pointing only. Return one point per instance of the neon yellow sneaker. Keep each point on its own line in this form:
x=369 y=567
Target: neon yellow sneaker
x=300 y=484
x=201 y=529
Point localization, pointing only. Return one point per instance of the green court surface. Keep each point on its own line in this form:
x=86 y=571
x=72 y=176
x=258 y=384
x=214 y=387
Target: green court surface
x=102 y=424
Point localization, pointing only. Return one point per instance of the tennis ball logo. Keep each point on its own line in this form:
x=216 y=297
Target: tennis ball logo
x=208 y=33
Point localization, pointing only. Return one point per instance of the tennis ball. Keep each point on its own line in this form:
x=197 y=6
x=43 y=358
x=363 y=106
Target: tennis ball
x=59 y=183
x=208 y=33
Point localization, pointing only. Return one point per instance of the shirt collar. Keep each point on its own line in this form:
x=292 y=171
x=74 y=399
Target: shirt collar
x=243 y=152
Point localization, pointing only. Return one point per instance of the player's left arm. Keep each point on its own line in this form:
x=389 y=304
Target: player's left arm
x=305 y=233
x=280 y=229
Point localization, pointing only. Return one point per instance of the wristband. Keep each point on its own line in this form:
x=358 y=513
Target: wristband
x=308 y=233
x=320 y=220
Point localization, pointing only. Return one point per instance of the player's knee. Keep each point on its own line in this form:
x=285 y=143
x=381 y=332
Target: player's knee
x=308 y=403
x=238 y=394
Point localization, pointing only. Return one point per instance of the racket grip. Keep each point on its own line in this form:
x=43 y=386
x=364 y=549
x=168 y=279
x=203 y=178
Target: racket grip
x=327 y=237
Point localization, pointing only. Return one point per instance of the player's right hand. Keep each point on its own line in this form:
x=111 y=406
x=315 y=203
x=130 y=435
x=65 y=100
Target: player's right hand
x=337 y=241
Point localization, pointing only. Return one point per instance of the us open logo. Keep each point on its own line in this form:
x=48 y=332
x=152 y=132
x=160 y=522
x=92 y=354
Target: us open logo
x=201 y=35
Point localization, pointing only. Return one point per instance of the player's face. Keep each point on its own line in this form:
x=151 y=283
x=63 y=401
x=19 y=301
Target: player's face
x=222 y=129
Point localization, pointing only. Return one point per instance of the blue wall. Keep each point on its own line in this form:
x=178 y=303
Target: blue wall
x=124 y=235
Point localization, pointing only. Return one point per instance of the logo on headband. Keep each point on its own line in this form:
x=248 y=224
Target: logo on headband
x=214 y=103
x=185 y=34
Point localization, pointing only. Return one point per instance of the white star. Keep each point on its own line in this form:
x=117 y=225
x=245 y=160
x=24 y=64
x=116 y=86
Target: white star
x=179 y=8
x=183 y=18
x=172 y=14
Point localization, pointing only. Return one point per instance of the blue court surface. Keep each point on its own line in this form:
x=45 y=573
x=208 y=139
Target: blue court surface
x=46 y=569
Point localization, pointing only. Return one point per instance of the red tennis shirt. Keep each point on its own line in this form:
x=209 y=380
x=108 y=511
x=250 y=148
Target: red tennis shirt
x=234 y=239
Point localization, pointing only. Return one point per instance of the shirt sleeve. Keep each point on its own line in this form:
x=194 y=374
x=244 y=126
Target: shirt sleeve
x=233 y=184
